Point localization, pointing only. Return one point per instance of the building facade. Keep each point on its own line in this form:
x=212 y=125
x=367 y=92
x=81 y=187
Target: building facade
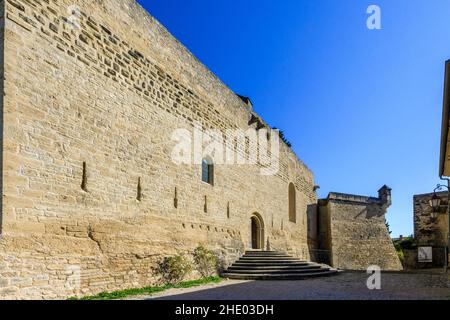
x=444 y=161
x=429 y=231
x=97 y=96
x=89 y=179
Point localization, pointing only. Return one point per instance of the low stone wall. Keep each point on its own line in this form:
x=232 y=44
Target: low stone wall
x=102 y=257
x=411 y=261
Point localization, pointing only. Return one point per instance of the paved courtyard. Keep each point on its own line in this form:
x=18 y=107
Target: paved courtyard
x=346 y=286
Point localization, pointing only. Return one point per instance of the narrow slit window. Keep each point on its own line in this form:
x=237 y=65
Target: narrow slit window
x=84 y=178
x=175 y=200
x=139 y=190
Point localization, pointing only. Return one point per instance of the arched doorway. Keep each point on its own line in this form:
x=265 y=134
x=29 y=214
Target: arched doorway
x=257 y=232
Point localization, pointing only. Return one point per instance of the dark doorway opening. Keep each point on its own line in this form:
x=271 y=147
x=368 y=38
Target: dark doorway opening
x=257 y=233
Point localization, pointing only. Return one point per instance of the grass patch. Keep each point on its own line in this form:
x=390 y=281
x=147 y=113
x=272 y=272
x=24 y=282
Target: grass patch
x=150 y=290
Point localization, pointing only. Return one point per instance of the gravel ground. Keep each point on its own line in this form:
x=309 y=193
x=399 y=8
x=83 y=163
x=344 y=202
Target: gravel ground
x=345 y=286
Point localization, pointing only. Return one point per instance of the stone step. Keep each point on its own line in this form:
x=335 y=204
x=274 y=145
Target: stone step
x=244 y=258
x=271 y=264
x=274 y=265
x=266 y=253
x=271 y=261
x=267 y=257
x=286 y=268
x=269 y=253
x=276 y=271
x=263 y=251
x=285 y=276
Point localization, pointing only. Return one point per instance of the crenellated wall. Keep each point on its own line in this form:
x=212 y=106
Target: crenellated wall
x=110 y=95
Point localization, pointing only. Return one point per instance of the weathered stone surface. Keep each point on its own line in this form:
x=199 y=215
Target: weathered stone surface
x=353 y=231
x=429 y=232
x=110 y=95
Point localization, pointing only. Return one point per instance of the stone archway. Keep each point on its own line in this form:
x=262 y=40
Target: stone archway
x=257 y=232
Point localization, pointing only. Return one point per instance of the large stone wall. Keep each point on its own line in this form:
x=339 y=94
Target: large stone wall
x=110 y=95
x=353 y=230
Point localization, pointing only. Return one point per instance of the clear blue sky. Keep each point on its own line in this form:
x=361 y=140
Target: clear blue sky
x=361 y=107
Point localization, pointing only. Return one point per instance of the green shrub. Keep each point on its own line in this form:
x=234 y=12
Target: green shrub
x=149 y=290
x=401 y=256
x=403 y=244
x=174 y=269
x=206 y=261
x=408 y=244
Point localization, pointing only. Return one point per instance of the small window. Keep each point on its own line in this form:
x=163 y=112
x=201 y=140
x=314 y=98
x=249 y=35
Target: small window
x=84 y=178
x=208 y=171
x=139 y=191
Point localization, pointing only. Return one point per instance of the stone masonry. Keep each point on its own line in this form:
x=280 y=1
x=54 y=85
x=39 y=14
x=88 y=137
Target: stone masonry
x=429 y=232
x=93 y=91
x=88 y=117
x=353 y=230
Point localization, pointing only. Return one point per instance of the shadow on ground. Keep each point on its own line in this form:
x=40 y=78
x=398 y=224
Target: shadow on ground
x=347 y=286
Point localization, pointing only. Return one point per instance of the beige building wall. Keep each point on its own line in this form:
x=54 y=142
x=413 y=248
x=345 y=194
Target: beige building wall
x=110 y=95
x=354 y=232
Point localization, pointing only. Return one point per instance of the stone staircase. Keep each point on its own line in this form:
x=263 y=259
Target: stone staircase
x=274 y=265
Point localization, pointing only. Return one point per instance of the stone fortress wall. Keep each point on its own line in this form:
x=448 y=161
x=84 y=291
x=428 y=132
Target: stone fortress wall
x=353 y=230
x=99 y=105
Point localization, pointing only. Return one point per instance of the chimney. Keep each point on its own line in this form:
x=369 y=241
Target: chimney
x=385 y=195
